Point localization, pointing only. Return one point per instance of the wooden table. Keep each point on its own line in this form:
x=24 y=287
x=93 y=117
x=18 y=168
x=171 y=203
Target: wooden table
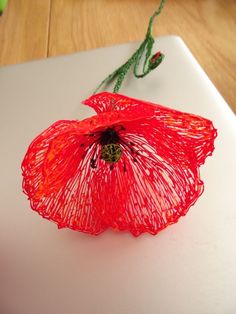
x=43 y=28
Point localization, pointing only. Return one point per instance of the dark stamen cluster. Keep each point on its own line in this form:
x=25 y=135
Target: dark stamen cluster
x=112 y=146
x=109 y=136
x=111 y=151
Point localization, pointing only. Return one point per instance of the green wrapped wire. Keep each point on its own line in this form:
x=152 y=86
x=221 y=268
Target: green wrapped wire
x=144 y=50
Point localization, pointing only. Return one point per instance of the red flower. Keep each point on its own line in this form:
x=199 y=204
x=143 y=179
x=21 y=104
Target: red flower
x=134 y=166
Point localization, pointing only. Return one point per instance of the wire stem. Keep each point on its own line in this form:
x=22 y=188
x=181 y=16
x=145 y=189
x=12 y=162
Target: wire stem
x=149 y=64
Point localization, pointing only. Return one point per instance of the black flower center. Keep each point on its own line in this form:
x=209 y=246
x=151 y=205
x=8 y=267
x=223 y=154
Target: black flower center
x=109 y=145
x=111 y=151
x=109 y=136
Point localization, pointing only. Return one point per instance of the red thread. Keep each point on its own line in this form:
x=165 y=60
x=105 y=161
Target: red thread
x=156 y=56
x=154 y=182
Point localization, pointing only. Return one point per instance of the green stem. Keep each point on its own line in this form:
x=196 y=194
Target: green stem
x=149 y=64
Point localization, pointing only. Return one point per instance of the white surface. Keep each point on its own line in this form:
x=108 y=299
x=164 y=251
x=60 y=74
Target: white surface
x=188 y=268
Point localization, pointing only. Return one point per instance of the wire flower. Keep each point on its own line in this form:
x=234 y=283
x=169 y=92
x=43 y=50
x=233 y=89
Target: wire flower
x=134 y=166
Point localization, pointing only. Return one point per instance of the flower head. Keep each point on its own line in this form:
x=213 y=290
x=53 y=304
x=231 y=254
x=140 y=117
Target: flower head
x=134 y=166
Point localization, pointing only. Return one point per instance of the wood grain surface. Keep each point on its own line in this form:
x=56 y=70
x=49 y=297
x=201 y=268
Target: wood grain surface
x=24 y=28
x=41 y=28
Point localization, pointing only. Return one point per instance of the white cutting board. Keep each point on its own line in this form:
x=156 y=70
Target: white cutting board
x=188 y=268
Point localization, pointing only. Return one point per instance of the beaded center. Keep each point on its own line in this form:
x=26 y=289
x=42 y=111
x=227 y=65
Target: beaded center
x=111 y=153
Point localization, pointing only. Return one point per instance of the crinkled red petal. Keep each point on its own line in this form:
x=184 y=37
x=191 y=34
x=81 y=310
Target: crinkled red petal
x=160 y=184
x=151 y=186
x=58 y=180
x=105 y=102
x=197 y=133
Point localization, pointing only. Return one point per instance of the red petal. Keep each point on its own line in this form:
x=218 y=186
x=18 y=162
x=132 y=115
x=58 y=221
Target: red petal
x=160 y=184
x=101 y=102
x=105 y=102
x=57 y=178
x=155 y=182
x=197 y=133
x=143 y=193
x=164 y=181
